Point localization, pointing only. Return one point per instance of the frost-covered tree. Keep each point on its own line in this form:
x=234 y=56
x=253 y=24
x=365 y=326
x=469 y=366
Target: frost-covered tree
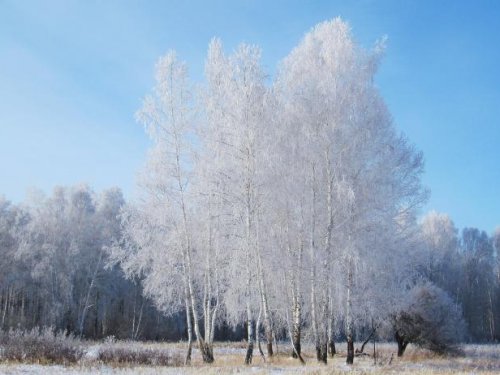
x=438 y=258
x=477 y=286
x=16 y=290
x=364 y=176
x=439 y=247
x=429 y=318
x=161 y=247
x=496 y=292
x=464 y=267
x=58 y=244
x=305 y=185
x=234 y=141
x=62 y=230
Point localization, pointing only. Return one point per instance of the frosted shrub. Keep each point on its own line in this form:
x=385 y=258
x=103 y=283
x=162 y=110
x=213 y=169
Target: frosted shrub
x=45 y=346
x=430 y=319
x=130 y=353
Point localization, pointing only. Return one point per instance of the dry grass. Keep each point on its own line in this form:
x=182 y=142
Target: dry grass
x=137 y=356
x=229 y=357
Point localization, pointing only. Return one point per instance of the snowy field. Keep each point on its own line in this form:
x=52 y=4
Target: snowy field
x=477 y=359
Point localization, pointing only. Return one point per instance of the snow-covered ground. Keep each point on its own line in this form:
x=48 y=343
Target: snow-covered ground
x=477 y=359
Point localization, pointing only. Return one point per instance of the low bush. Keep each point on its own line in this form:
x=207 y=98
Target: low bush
x=131 y=353
x=39 y=346
x=45 y=346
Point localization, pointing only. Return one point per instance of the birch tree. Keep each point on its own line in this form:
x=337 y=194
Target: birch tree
x=366 y=175
x=236 y=117
x=161 y=227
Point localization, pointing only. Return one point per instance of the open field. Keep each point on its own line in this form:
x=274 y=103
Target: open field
x=477 y=359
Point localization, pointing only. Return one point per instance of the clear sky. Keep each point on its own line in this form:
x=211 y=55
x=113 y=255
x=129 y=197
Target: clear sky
x=73 y=73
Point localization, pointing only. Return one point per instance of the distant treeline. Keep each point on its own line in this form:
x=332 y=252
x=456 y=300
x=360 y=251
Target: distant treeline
x=54 y=271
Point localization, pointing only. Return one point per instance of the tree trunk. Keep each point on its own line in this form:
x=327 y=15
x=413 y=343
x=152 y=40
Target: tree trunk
x=368 y=338
x=491 y=316
x=22 y=307
x=207 y=352
x=257 y=334
x=323 y=352
x=331 y=341
x=265 y=308
x=402 y=343
x=248 y=357
x=350 y=351
x=263 y=295
x=314 y=319
x=137 y=330
x=187 y=361
x=331 y=347
x=349 y=322
x=87 y=305
x=249 y=247
x=327 y=244
x=296 y=330
x=290 y=335
x=205 y=349
x=269 y=338
x=5 y=303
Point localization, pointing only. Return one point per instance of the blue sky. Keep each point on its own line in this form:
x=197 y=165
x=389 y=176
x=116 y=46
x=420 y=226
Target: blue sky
x=72 y=74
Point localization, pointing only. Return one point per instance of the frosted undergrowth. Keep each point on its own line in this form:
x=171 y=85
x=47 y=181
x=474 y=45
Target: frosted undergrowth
x=477 y=359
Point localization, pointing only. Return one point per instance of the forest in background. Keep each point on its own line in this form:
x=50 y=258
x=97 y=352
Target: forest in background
x=53 y=271
x=268 y=212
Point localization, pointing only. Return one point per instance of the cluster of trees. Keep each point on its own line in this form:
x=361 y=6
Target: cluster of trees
x=467 y=267
x=461 y=299
x=53 y=268
x=284 y=209
x=274 y=205
x=462 y=272
x=287 y=206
